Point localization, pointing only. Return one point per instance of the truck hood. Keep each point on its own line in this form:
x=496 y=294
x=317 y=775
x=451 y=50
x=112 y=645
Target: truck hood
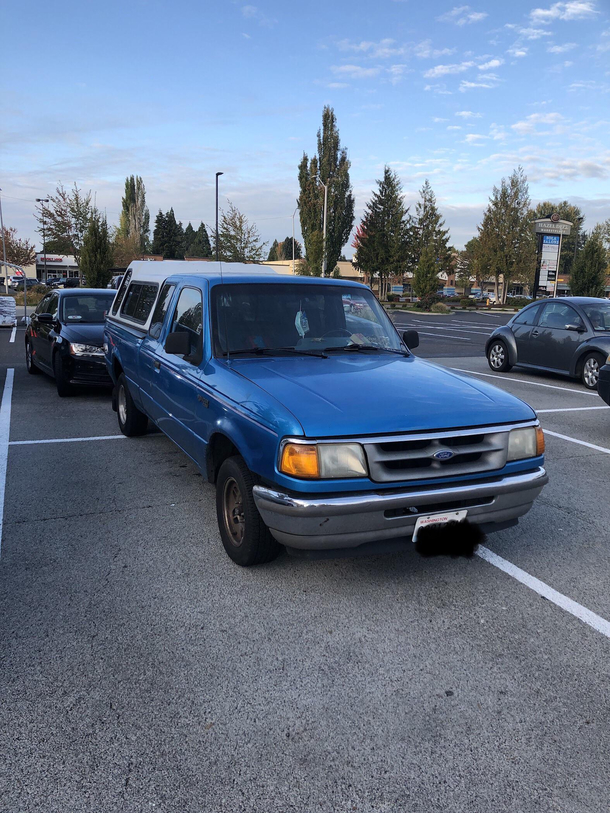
x=370 y=395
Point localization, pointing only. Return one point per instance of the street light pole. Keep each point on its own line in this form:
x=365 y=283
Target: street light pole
x=293 y=214
x=4 y=248
x=44 y=239
x=217 y=176
x=324 y=233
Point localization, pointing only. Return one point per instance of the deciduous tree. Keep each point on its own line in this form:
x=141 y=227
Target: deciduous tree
x=66 y=219
x=18 y=251
x=331 y=166
x=135 y=217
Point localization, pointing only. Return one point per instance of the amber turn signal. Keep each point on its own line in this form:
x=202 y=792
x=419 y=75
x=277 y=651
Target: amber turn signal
x=300 y=460
x=539 y=440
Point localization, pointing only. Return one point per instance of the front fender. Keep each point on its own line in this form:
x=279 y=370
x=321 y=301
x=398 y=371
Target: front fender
x=506 y=334
x=593 y=345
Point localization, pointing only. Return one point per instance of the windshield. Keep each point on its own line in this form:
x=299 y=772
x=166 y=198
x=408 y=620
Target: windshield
x=599 y=315
x=86 y=308
x=276 y=316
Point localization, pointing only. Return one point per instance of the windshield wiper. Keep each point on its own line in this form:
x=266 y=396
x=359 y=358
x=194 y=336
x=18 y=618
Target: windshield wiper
x=367 y=347
x=259 y=351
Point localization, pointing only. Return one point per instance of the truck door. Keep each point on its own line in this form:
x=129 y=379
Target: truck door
x=150 y=363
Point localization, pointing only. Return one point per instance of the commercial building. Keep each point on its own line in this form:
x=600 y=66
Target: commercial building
x=57 y=266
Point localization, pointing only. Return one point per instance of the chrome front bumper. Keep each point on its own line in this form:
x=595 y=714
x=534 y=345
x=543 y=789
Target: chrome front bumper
x=331 y=522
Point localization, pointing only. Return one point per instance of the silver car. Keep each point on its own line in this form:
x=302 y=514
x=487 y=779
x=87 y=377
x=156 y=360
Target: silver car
x=569 y=335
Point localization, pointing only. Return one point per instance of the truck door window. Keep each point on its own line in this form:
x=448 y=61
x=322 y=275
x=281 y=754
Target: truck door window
x=161 y=307
x=188 y=318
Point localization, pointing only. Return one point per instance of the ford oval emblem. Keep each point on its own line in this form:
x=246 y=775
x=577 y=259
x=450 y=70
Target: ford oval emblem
x=443 y=454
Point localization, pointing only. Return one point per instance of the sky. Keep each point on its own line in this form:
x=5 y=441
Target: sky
x=177 y=91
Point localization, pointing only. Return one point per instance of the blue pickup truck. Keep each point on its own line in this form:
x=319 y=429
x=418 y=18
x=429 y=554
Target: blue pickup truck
x=299 y=400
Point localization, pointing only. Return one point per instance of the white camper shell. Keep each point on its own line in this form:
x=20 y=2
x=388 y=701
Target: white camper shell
x=144 y=279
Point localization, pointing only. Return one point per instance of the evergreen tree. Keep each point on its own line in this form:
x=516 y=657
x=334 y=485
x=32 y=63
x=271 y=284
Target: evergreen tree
x=189 y=237
x=135 y=217
x=588 y=276
x=508 y=246
x=383 y=241
x=159 y=234
x=239 y=241
x=286 y=249
x=425 y=277
x=331 y=166
x=96 y=255
x=200 y=246
x=174 y=238
x=273 y=252
x=430 y=229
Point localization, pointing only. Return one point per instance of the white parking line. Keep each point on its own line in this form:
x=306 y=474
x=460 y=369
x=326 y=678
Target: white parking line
x=525 y=381
x=592 y=619
x=451 y=327
x=65 y=440
x=13 y=334
x=5 y=428
x=571 y=409
x=580 y=442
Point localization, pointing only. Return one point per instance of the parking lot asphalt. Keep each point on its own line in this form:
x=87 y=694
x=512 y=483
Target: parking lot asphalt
x=143 y=670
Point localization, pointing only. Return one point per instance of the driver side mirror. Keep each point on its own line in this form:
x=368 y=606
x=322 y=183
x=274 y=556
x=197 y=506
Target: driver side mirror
x=411 y=339
x=178 y=344
x=576 y=328
x=46 y=319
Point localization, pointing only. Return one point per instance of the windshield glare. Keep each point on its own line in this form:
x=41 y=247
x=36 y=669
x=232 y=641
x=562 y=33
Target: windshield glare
x=86 y=308
x=300 y=317
x=599 y=315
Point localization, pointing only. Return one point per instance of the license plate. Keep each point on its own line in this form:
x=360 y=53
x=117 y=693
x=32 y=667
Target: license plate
x=438 y=519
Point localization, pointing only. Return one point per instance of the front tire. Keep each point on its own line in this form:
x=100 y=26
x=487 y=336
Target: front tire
x=29 y=361
x=64 y=388
x=245 y=537
x=497 y=357
x=591 y=366
x=132 y=422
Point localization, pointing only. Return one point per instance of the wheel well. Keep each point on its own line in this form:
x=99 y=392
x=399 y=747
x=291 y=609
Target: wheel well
x=116 y=369
x=581 y=360
x=219 y=448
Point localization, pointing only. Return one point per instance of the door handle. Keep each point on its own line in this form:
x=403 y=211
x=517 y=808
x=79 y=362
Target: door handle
x=534 y=332
x=157 y=364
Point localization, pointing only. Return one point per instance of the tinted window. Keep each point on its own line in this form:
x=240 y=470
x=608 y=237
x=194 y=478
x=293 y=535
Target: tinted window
x=43 y=304
x=86 y=308
x=121 y=292
x=139 y=301
x=158 y=316
x=52 y=304
x=188 y=318
x=599 y=314
x=558 y=315
x=527 y=316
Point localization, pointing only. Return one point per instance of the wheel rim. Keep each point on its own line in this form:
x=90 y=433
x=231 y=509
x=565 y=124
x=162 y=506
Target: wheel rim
x=233 y=511
x=497 y=356
x=591 y=372
x=122 y=405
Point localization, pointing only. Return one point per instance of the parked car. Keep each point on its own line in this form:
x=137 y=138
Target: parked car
x=570 y=336
x=30 y=282
x=65 y=336
x=55 y=282
x=115 y=281
x=274 y=389
x=72 y=282
x=603 y=385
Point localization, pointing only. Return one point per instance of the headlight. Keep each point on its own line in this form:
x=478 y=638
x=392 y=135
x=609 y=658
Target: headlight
x=86 y=350
x=526 y=442
x=323 y=461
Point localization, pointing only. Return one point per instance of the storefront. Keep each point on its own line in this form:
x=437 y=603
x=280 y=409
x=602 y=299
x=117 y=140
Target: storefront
x=57 y=266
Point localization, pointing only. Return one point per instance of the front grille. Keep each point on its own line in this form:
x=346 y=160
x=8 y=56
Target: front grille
x=414 y=458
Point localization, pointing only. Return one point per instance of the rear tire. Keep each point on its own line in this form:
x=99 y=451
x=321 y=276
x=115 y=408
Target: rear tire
x=64 y=388
x=497 y=357
x=245 y=536
x=132 y=422
x=29 y=362
x=591 y=365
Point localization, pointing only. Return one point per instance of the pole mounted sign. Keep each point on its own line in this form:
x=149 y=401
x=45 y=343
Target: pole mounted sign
x=549 y=231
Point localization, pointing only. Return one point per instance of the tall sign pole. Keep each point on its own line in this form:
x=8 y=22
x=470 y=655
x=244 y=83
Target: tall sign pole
x=549 y=231
x=4 y=249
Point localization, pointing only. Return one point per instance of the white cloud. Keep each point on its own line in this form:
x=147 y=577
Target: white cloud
x=517 y=51
x=436 y=120
x=337 y=85
x=254 y=13
x=561 y=49
x=528 y=33
x=468 y=114
x=443 y=70
x=382 y=49
x=462 y=15
x=440 y=88
x=528 y=125
x=454 y=127
x=424 y=50
x=572 y=10
x=354 y=71
x=493 y=63
x=475 y=138
x=464 y=85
